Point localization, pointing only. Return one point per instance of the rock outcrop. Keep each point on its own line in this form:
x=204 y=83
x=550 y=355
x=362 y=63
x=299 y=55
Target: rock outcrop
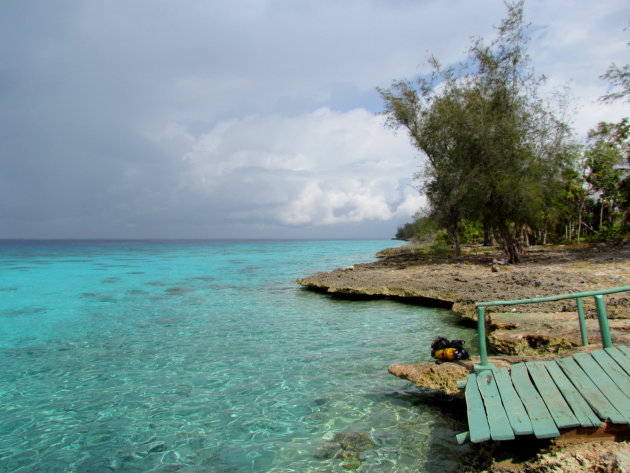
x=443 y=377
x=547 y=333
x=413 y=275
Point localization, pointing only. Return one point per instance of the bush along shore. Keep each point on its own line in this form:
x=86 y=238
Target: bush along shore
x=548 y=330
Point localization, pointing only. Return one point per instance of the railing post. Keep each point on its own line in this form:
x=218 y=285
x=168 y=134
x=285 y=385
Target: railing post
x=481 y=332
x=580 y=311
x=603 y=321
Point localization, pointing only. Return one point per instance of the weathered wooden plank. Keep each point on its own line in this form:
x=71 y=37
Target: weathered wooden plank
x=605 y=384
x=589 y=391
x=477 y=421
x=558 y=407
x=579 y=406
x=620 y=357
x=498 y=421
x=463 y=437
x=519 y=420
x=612 y=368
x=542 y=422
x=624 y=349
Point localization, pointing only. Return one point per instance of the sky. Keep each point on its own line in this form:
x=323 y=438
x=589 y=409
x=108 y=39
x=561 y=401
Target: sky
x=247 y=118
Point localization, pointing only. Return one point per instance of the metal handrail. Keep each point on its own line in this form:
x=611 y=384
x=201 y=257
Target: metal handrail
x=599 y=304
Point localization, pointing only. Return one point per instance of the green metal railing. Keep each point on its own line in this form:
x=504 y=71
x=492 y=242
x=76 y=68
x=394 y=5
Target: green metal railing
x=599 y=305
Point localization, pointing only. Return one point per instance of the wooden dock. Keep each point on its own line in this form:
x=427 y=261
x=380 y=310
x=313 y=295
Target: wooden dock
x=544 y=397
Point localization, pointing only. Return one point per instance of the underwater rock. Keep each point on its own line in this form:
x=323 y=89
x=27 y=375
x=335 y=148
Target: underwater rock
x=157 y=447
x=345 y=446
x=351 y=460
x=327 y=450
x=355 y=441
x=178 y=291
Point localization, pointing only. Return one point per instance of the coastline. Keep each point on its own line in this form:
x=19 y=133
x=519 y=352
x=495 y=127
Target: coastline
x=547 y=330
x=410 y=274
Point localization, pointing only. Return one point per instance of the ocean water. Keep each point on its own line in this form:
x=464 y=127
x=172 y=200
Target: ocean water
x=191 y=356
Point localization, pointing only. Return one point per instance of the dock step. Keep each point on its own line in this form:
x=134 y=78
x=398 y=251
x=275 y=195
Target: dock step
x=544 y=397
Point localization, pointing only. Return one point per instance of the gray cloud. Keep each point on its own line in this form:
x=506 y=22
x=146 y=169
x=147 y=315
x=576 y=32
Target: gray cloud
x=149 y=118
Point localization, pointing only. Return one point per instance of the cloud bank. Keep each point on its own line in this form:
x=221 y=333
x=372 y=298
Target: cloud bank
x=257 y=119
x=320 y=168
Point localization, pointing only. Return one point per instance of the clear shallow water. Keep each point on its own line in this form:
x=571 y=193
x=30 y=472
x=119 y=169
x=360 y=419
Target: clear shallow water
x=207 y=357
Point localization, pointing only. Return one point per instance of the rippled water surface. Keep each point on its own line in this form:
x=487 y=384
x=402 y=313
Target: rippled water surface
x=207 y=357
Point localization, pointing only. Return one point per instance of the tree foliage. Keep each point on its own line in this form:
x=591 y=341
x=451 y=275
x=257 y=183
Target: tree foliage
x=495 y=150
x=619 y=79
x=607 y=175
x=608 y=158
x=421 y=228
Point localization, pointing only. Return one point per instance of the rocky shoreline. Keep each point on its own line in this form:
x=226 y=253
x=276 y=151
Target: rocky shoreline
x=480 y=275
x=414 y=275
x=546 y=330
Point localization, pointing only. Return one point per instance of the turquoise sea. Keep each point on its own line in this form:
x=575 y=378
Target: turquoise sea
x=205 y=356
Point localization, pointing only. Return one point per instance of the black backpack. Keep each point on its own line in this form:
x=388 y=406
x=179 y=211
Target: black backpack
x=444 y=349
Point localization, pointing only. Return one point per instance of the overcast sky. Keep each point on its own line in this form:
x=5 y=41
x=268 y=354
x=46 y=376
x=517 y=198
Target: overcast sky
x=245 y=118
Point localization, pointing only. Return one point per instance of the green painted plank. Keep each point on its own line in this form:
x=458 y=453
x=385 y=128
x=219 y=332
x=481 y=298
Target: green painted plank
x=477 y=421
x=498 y=421
x=621 y=359
x=624 y=349
x=462 y=438
x=542 y=422
x=620 y=356
x=558 y=407
x=579 y=406
x=519 y=420
x=605 y=384
x=620 y=350
x=616 y=372
x=598 y=402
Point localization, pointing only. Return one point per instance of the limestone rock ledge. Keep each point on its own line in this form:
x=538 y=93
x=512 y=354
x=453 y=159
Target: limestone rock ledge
x=430 y=375
x=443 y=377
x=550 y=328
x=547 y=333
x=596 y=456
x=407 y=273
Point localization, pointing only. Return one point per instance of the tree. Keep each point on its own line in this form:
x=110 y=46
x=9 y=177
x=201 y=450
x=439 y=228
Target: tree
x=493 y=148
x=570 y=201
x=609 y=150
x=605 y=156
x=619 y=78
x=421 y=228
x=434 y=125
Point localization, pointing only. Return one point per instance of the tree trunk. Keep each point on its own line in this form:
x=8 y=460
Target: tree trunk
x=486 y=236
x=510 y=245
x=518 y=238
x=579 y=231
x=454 y=234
